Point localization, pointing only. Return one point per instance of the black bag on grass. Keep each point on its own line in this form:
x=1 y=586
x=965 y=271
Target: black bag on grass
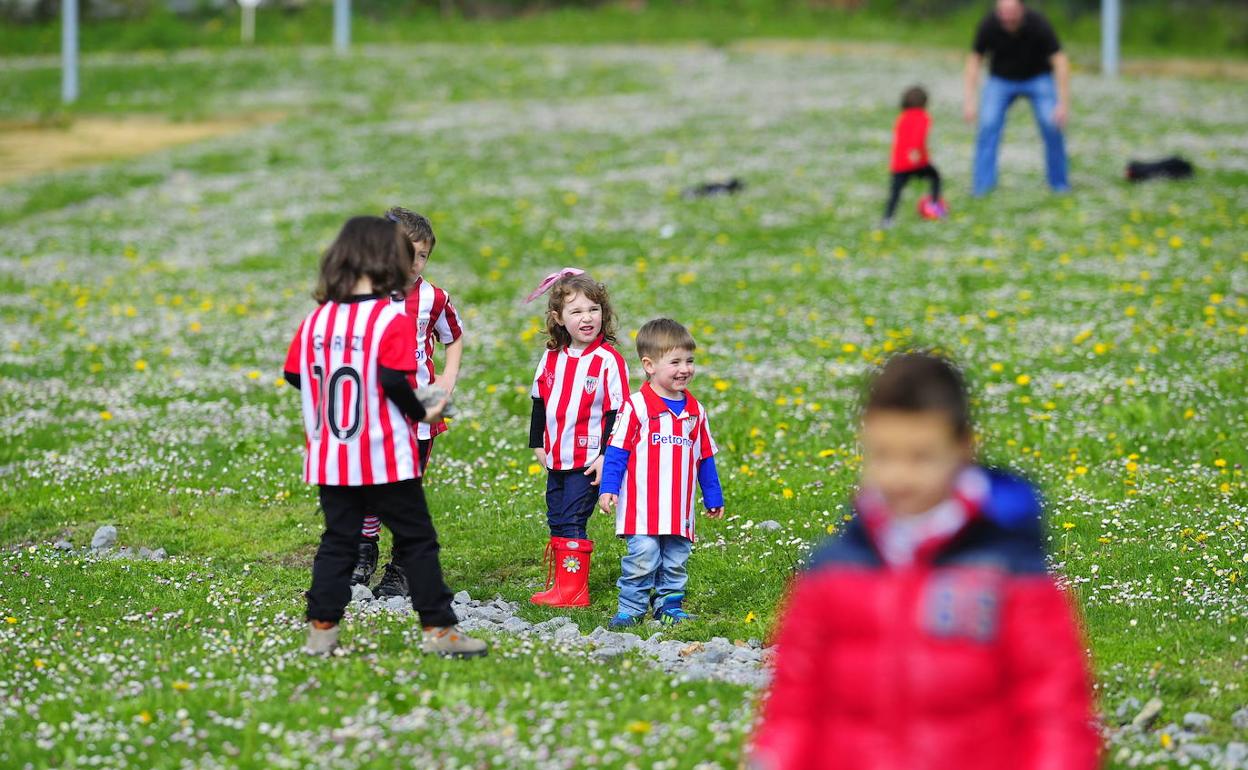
x=1173 y=167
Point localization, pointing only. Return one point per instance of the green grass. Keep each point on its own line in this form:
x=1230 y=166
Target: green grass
x=146 y=307
x=1150 y=29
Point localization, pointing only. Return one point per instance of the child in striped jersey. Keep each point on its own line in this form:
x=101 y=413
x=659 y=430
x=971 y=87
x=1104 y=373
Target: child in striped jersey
x=434 y=319
x=352 y=362
x=661 y=443
x=580 y=383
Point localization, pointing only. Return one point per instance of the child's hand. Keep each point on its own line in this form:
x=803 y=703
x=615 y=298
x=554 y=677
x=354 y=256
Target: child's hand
x=607 y=502
x=540 y=454
x=715 y=513
x=595 y=470
x=433 y=414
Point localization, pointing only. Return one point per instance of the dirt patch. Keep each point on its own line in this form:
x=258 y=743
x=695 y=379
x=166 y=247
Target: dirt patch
x=27 y=149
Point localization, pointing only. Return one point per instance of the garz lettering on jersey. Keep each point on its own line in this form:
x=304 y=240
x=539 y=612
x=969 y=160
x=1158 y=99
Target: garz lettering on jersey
x=357 y=342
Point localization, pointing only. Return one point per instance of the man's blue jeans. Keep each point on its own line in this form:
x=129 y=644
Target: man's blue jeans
x=653 y=563
x=998 y=94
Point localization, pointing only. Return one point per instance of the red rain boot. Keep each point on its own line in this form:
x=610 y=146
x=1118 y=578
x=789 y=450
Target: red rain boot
x=568 y=573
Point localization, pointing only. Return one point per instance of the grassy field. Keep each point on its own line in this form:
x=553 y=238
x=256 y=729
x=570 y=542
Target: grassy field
x=147 y=305
x=1151 y=28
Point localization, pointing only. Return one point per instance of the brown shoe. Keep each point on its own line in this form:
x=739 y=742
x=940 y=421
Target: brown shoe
x=450 y=642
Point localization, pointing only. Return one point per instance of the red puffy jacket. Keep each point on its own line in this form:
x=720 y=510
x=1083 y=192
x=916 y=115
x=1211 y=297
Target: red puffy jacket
x=968 y=659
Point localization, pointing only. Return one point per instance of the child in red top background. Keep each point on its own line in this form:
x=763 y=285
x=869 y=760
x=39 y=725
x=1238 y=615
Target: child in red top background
x=910 y=157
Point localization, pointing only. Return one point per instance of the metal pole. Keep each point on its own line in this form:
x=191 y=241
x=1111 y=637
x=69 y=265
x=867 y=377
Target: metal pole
x=69 y=51
x=1110 y=30
x=249 y=23
x=342 y=25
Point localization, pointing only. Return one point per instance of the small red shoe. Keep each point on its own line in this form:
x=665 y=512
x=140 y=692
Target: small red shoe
x=567 y=561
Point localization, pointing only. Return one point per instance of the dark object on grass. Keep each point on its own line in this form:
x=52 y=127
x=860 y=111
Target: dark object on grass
x=1173 y=167
x=712 y=189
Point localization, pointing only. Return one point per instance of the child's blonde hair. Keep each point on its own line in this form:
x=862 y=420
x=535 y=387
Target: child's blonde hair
x=663 y=335
x=560 y=292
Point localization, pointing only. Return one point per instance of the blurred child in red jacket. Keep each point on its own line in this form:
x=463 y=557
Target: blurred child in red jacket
x=910 y=157
x=928 y=635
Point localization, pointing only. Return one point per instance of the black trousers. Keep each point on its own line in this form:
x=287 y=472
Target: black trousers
x=402 y=509
x=899 y=181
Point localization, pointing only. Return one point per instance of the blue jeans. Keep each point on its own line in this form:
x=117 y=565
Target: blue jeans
x=653 y=563
x=998 y=94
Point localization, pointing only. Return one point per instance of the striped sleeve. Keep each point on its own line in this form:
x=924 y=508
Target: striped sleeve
x=627 y=428
x=704 y=445
x=448 y=327
x=534 y=392
x=294 y=352
x=617 y=382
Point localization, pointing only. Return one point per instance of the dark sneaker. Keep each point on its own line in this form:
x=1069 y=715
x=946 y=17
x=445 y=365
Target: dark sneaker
x=366 y=566
x=393 y=582
x=624 y=620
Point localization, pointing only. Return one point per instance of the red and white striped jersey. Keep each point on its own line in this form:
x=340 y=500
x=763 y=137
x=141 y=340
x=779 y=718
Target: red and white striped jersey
x=578 y=388
x=436 y=320
x=355 y=435
x=657 y=497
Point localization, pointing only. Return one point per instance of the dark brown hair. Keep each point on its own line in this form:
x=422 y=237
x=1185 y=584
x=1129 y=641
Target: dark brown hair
x=564 y=288
x=366 y=246
x=921 y=382
x=914 y=96
x=415 y=227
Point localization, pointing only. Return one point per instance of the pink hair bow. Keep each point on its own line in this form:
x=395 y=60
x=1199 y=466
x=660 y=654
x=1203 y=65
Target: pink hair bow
x=550 y=280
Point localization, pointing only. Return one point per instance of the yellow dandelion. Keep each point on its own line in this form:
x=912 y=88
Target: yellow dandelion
x=788 y=493
x=535 y=469
x=1220 y=462
x=639 y=727
x=1068 y=525
x=106 y=415
x=997 y=367
x=180 y=685
x=1082 y=470
x=1023 y=379
x=750 y=617
x=140 y=365
x=722 y=385
x=253 y=375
